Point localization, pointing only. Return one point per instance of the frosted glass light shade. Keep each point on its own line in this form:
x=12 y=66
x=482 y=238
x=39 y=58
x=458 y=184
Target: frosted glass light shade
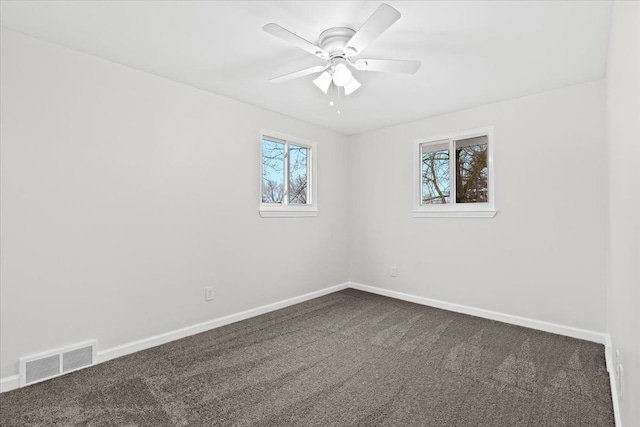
x=352 y=86
x=341 y=75
x=323 y=81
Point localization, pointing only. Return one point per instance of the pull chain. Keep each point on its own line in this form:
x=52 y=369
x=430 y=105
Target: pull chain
x=331 y=103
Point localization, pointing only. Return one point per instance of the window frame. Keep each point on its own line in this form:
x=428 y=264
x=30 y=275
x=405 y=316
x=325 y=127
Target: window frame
x=453 y=209
x=284 y=210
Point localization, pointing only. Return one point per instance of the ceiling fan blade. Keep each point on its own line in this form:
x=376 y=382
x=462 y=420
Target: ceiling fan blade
x=378 y=23
x=296 y=40
x=301 y=73
x=387 y=65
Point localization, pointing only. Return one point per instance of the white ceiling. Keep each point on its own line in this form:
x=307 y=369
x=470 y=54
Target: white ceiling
x=472 y=53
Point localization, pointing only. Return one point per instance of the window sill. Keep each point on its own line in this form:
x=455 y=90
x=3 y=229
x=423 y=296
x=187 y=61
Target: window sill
x=288 y=213
x=454 y=214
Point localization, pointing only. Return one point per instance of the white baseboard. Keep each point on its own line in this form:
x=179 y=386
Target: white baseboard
x=570 y=331
x=613 y=380
x=132 y=347
x=13 y=382
x=9 y=383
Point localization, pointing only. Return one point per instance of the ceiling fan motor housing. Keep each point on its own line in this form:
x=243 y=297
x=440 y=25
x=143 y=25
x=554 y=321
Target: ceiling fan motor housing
x=335 y=39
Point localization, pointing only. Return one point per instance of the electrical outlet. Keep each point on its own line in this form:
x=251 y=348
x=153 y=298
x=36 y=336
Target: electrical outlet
x=208 y=293
x=394 y=272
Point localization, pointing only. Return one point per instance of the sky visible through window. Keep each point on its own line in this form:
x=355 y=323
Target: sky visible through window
x=274 y=177
x=435 y=175
x=272 y=171
x=298 y=174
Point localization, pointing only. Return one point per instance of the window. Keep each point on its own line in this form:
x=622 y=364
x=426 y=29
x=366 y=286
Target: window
x=287 y=176
x=454 y=176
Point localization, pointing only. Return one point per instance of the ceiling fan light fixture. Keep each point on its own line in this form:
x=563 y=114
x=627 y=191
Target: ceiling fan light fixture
x=341 y=75
x=323 y=81
x=339 y=47
x=351 y=87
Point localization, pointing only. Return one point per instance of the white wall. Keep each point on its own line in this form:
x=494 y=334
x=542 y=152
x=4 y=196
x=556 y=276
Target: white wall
x=541 y=257
x=623 y=108
x=125 y=194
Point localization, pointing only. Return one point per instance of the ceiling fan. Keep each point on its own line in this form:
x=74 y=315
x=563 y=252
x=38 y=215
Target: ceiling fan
x=339 y=46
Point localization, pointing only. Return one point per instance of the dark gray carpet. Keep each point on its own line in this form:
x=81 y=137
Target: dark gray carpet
x=346 y=359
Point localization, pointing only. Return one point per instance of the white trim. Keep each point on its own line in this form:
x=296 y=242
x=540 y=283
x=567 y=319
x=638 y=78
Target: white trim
x=453 y=210
x=463 y=134
x=613 y=381
x=454 y=214
x=268 y=210
x=570 y=331
x=13 y=382
x=287 y=212
x=145 y=343
x=9 y=383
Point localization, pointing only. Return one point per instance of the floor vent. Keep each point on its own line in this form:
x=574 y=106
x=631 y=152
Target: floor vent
x=53 y=363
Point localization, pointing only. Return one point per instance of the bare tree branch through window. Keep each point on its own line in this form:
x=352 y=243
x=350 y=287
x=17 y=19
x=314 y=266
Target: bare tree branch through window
x=470 y=171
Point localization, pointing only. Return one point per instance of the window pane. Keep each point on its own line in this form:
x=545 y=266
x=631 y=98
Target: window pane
x=472 y=172
x=298 y=191
x=435 y=174
x=272 y=172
